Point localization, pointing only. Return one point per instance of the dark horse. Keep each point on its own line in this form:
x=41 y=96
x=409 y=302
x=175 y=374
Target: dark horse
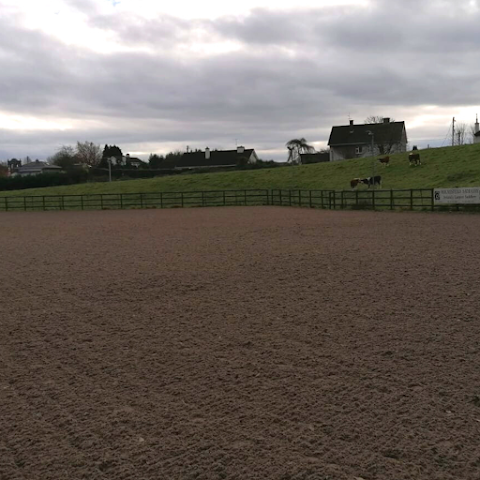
x=414 y=158
x=385 y=160
x=376 y=180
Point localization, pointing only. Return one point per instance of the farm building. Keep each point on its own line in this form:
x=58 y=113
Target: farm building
x=217 y=158
x=37 y=167
x=355 y=141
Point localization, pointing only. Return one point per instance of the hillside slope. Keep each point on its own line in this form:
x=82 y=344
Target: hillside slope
x=441 y=167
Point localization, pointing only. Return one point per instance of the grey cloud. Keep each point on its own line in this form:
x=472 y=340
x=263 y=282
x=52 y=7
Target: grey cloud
x=298 y=73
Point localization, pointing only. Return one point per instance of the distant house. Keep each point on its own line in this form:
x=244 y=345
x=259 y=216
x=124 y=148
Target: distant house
x=132 y=161
x=355 y=141
x=37 y=167
x=317 y=157
x=217 y=158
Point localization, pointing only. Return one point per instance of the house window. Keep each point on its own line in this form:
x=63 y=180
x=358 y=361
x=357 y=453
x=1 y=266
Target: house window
x=358 y=150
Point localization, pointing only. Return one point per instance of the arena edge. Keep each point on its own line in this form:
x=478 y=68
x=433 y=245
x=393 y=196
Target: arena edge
x=426 y=199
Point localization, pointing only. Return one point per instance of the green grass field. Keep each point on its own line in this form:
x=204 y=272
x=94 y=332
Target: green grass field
x=441 y=167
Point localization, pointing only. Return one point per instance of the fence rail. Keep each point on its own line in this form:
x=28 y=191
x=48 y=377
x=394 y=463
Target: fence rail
x=412 y=199
x=113 y=201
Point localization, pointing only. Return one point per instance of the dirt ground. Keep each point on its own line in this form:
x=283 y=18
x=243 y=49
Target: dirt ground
x=239 y=343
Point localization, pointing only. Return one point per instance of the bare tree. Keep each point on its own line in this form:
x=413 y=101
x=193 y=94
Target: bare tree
x=88 y=153
x=460 y=133
x=388 y=143
x=295 y=148
x=471 y=134
x=65 y=157
x=376 y=119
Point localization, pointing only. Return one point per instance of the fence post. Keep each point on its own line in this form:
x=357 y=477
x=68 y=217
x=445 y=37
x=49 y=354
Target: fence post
x=280 y=197
x=121 y=201
x=224 y=199
x=245 y=197
x=81 y=201
x=43 y=202
x=101 y=201
x=299 y=198
x=161 y=199
x=182 y=198
x=342 y=200
x=321 y=199
x=373 y=198
x=6 y=204
x=24 y=204
x=391 y=199
x=62 y=203
x=141 y=200
x=433 y=200
x=356 y=198
x=290 y=197
x=310 y=198
x=203 y=198
x=411 y=199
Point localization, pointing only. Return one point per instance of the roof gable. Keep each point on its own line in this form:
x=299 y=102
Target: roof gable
x=358 y=134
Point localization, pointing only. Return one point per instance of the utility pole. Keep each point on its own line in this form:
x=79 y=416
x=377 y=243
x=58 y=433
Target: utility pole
x=453 y=132
x=110 y=168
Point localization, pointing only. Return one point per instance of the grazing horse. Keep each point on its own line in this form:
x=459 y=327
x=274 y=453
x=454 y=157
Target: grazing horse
x=376 y=180
x=354 y=183
x=414 y=158
x=385 y=160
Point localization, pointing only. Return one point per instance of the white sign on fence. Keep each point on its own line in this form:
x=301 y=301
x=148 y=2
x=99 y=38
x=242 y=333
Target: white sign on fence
x=456 y=195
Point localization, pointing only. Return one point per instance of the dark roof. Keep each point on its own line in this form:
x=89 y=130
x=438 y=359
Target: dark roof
x=218 y=158
x=357 y=134
x=477 y=134
x=37 y=164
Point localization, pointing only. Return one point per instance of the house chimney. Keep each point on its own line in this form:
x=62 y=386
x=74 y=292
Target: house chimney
x=207 y=154
x=351 y=122
x=386 y=120
x=477 y=127
x=240 y=149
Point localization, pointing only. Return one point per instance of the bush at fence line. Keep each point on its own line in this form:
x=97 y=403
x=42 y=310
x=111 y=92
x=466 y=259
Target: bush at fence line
x=42 y=180
x=100 y=174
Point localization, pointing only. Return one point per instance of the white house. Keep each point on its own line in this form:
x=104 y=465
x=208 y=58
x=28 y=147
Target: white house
x=355 y=141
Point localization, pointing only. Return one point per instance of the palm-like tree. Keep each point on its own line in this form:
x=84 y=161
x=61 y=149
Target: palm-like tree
x=296 y=147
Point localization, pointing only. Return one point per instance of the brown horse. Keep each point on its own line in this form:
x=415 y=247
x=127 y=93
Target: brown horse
x=384 y=160
x=354 y=183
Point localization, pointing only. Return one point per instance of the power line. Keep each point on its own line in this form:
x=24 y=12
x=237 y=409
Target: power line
x=448 y=134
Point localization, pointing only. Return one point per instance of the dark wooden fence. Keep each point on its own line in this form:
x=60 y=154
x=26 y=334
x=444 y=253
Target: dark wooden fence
x=112 y=201
x=413 y=199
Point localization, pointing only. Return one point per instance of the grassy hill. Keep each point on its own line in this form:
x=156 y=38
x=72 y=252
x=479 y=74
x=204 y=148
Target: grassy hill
x=441 y=167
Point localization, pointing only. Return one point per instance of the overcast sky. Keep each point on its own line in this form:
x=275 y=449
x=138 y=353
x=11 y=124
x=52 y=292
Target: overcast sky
x=152 y=78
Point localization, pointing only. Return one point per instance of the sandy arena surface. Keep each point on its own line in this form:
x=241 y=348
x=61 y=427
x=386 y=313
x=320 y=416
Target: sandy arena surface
x=239 y=343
